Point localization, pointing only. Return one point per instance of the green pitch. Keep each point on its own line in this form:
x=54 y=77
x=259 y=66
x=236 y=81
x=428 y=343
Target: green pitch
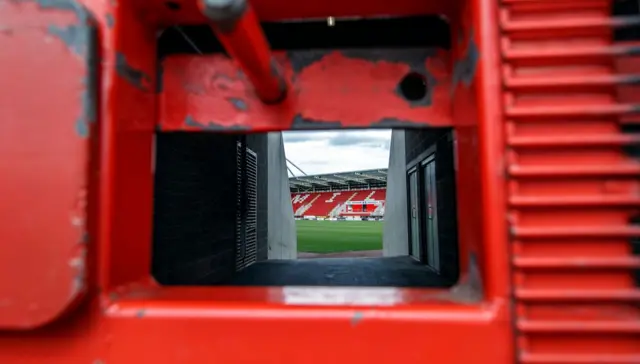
x=338 y=236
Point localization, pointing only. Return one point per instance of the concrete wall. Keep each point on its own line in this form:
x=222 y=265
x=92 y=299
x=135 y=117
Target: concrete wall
x=419 y=144
x=282 y=240
x=395 y=238
x=195 y=193
x=447 y=208
x=195 y=206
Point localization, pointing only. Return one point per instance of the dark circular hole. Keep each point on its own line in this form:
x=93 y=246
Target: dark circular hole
x=172 y=5
x=413 y=86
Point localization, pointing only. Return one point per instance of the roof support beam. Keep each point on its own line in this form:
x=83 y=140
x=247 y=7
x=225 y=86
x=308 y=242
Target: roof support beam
x=315 y=181
x=379 y=178
x=296 y=183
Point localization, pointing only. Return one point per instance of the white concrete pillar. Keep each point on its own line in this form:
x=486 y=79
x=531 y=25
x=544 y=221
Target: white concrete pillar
x=283 y=243
x=395 y=238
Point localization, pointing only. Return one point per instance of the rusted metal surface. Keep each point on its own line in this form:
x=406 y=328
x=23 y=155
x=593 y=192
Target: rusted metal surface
x=329 y=89
x=44 y=156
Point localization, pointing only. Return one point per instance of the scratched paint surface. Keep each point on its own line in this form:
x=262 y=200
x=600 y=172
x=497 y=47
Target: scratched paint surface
x=339 y=89
x=44 y=140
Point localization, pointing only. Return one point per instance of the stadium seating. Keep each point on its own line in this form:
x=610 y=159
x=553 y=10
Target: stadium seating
x=324 y=203
x=300 y=199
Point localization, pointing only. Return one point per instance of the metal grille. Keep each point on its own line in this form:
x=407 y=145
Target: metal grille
x=247 y=206
x=251 y=252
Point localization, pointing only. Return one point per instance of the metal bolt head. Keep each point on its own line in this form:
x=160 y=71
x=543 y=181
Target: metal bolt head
x=223 y=10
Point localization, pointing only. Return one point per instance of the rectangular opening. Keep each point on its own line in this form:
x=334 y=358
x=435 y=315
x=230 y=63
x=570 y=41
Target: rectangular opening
x=208 y=122
x=230 y=210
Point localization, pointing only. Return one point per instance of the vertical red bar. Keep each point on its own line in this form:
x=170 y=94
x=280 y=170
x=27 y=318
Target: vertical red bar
x=237 y=27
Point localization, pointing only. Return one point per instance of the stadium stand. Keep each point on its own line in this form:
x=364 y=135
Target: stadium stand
x=354 y=194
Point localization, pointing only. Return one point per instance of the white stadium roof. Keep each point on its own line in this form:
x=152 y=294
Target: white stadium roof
x=372 y=177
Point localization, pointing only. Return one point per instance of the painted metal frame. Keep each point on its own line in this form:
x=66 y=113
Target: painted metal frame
x=75 y=283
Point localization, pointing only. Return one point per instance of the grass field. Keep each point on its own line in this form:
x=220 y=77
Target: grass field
x=338 y=236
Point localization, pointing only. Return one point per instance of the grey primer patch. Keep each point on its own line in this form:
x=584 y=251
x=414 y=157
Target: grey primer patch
x=132 y=75
x=300 y=60
x=303 y=123
x=81 y=39
x=416 y=58
x=396 y=123
x=357 y=317
x=60 y=4
x=282 y=85
x=211 y=126
x=239 y=104
x=475 y=278
x=140 y=313
x=464 y=69
x=110 y=20
x=74 y=36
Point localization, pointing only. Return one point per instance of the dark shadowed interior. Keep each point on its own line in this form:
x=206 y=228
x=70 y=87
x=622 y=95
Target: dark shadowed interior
x=199 y=218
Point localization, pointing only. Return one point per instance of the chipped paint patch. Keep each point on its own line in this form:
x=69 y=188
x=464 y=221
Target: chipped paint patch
x=133 y=75
x=90 y=82
x=140 y=313
x=82 y=128
x=357 y=317
x=238 y=104
x=59 y=4
x=300 y=122
x=464 y=69
x=74 y=36
x=300 y=60
x=396 y=123
x=110 y=20
x=211 y=126
x=78 y=264
x=59 y=33
x=333 y=91
x=416 y=59
x=81 y=39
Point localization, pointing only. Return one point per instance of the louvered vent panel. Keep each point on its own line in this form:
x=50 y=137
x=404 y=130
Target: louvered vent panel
x=571 y=107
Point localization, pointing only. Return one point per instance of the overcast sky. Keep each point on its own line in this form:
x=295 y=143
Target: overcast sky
x=318 y=152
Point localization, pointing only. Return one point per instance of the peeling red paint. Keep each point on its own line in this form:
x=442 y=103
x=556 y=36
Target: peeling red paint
x=335 y=90
x=42 y=264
